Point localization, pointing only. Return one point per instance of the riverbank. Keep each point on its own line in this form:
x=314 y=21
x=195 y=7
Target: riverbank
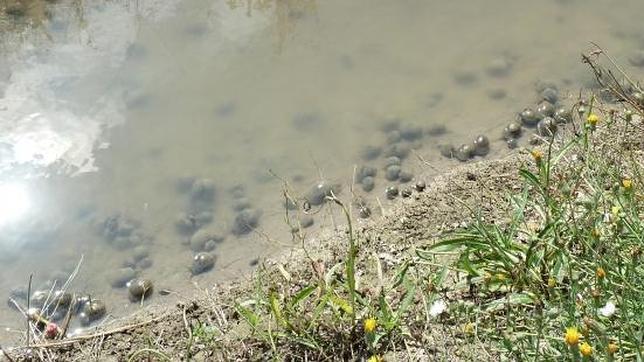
x=499 y=259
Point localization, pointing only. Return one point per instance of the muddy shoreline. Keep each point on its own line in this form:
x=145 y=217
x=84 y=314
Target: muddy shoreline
x=450 y=202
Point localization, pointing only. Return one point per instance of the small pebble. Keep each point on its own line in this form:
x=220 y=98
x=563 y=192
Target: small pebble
x=202 y=237
x=550 y=95
x=529 y=117
x=512 y=143
x=120 y=277
x=406 y=192
x=246 y=221
x=62 y=299
x=369 y=153
x=202 y=262
x=241 y=204
x=392 y=172
x=545 y=109
x=391 y=192
x=318 y=193
x=399 y=150
x=368 y=183
x=464 y=152
x=364 y=212
x=92 y=311
x=405 y=176
x=447 y=151
x=547 y=127
x=562 y=115
x=393 y=160
x=411 y=133
x=139 y=289
x=187 y=223
x=481 y=145
x=420 y=186
x=203 y=190
x=140 y=252
x=512 y=130
x=38 y=298
x=366 y=171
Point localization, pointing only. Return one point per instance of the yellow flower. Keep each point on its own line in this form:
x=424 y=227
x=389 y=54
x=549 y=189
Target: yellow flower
x=627 y=183
x=585 y=349
x=615 y=210
x=468 y=328
x=537 y=155
x=592 y=119
x=500 y=277
x=375 y=359
x=600 y=272
x=572 y=336
x=370 y=325
x=552 y=282
x=612 y=348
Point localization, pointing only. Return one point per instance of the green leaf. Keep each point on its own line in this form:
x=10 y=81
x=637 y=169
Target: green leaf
x=440 y=278
x=302 y=294
x=400 y=276
x=386 y=316
x=524 y=298
x=530 y=178
x=563 y=151
x=451 y=245
x=341 y=303
x=276 y=308
x=248 y=315
x=407 y=299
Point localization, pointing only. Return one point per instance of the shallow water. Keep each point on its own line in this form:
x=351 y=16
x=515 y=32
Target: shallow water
x=111 y=109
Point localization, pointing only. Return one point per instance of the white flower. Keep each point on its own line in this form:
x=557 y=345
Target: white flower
x=608 y=310
x=438 y=308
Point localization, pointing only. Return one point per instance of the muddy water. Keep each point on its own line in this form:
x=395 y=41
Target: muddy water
x=110 y=111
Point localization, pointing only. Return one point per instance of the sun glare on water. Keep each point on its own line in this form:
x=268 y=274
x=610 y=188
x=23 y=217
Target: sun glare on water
x=14 y=202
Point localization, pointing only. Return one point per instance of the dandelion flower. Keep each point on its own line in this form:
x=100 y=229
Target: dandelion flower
x=608 y=310
x=370 y=325
x=375 y=359
x=592 y=119
x=627 y=183
x=552 y=282
x=537 y=155
x=468 y=328
x=438 y=308
x=585 y=349
x=572 y=336
x=612 y=348
x=600 y=272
